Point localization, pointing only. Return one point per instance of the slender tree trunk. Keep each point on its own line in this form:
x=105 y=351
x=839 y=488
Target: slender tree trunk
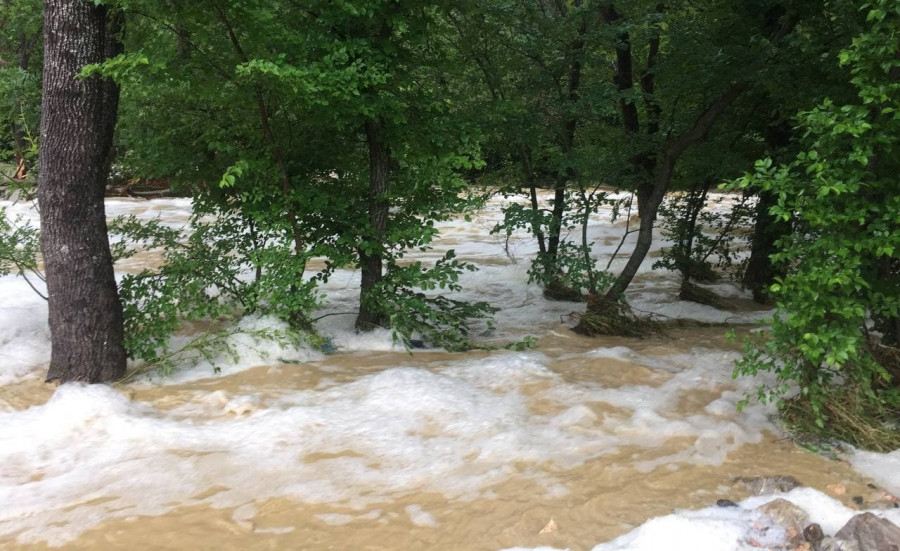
x=76 y=133
x=760 y=272
x=643 y=164
x=671 y=152
x=370 y=251
x=555 y=290
x=695 y=200
x=536 y=229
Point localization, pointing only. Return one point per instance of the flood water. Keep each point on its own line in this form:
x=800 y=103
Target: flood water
x=566 y=445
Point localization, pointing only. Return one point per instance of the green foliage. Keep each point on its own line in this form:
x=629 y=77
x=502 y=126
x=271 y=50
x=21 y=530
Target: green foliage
x=20 y=79
x=19 y=248
x=705 y=243
x=843 y=257
x=260 y=109
x=204 y=276
x=573 y=267
x=407 y=296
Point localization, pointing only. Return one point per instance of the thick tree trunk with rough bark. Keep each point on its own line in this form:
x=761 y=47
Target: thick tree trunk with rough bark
x=370 y=256
x=78 y=119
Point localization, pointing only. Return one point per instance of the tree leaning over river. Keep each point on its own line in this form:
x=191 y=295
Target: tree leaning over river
x=77 y=124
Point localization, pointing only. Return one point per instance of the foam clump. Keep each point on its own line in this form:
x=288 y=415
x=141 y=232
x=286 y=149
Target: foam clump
x=420 y=517
x=704 y=530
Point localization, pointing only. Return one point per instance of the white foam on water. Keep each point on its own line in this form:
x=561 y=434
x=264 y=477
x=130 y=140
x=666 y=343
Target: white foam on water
x=174 y=212
x=454 y=430
x=90 y=454
x=705 y=530
x=882 y=467
x=24 y=331
x=733 y=528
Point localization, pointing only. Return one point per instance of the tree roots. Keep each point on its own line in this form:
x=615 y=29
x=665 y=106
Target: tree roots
x=608 y=317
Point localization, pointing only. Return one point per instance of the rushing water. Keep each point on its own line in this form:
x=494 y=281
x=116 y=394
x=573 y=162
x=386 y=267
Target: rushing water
x=376 y=448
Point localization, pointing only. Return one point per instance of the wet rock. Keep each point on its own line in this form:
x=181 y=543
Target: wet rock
x=868 y=532
x=759 y=485
x=814 y=535
x=790 y=517
x=725 y=503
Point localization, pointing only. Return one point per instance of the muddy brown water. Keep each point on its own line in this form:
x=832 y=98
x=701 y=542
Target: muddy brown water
x=607 y=496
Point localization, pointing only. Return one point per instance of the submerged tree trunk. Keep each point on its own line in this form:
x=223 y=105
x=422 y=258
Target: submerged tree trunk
x=76 y=134
x=370 y=250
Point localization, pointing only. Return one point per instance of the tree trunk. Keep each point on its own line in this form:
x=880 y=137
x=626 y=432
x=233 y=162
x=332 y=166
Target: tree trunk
x=671 y=152
x=76 y=133
x=554 y=289
x=370 y=250
x=767 y=229
x=760 y=272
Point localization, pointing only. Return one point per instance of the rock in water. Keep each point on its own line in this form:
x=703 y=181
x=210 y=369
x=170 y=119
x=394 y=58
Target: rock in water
x=787 y=515
x=813 y=534
x=759 y=485
x=868 y=532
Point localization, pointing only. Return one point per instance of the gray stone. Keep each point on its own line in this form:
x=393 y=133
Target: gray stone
x=870 y=533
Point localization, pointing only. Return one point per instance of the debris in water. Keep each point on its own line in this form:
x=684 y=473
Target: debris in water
x=550 y=528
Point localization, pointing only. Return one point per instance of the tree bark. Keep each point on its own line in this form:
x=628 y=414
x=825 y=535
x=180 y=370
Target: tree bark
x=643 y=164
x=370 y=251
x=78 y=118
